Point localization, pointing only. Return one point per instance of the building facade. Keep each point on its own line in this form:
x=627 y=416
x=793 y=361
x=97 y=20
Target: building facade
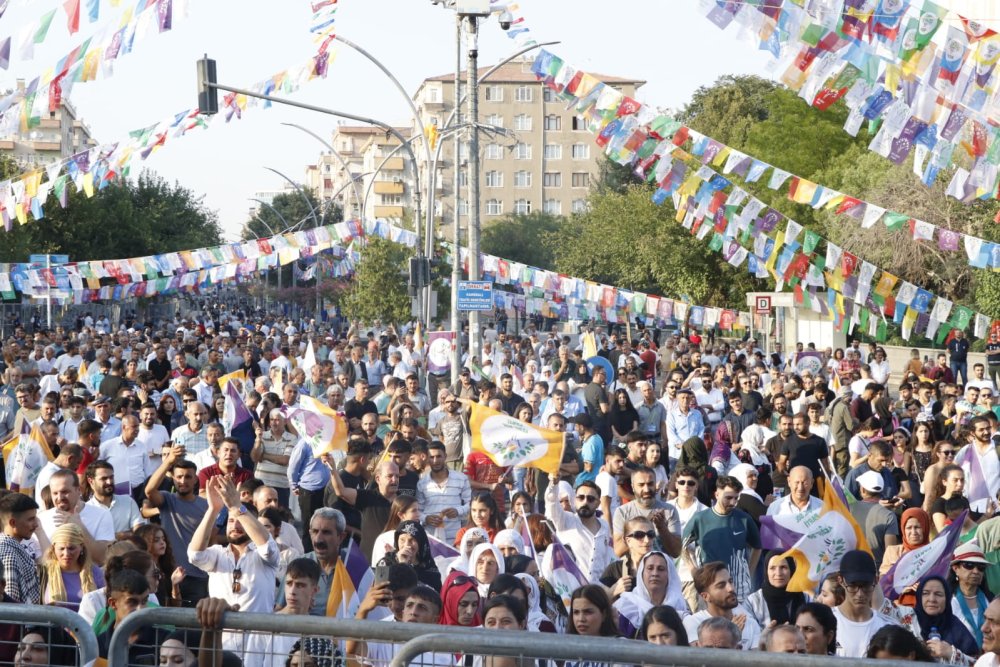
x=60 y=134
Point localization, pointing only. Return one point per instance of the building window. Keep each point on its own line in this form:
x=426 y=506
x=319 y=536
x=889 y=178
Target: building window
x=553 y=123
x=553 y=152
x=494 y=207
x=522 y=179
x=553 y=206
x=523 y=94
x=493 y=94
x=433 y=94
x=522 y=207
x=581 y=180
x=494 y=179
x=494 y=152
x=548 y=94
x=495 y=119
x=392 y=200
x=522 y=151
x=581 y=152
x=463 y=151
x=463 y=207
x=579 y=205
x=463 y=178
x=579 y=124
x=522 y=122
x=553 y=179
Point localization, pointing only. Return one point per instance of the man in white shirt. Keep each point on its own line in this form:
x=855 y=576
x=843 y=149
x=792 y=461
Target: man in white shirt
x=715 y=587
x=979 y=378
x=444 y=495
x=69 y=458
x=982 y=446
x=607 y=480
x=154 y=437
x=124 y=511
x=128 y=456
x=991 y=636
x=798 y=502
x=856 y=621
x=243 y=571
x=68 y=507
x=588 y=536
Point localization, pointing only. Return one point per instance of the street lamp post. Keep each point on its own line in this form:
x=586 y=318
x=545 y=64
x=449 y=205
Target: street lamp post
x=472 y=78
x=339 y=157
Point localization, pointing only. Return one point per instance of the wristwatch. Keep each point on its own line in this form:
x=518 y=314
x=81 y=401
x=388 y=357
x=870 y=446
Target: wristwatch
x=242 y=510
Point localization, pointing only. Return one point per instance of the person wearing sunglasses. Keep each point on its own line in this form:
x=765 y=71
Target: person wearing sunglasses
x=640 y=538
x=968 y=604
x=584 y=532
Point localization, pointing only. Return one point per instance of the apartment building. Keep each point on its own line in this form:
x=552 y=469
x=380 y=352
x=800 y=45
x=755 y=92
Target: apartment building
x=545 y=161
x=60 y=134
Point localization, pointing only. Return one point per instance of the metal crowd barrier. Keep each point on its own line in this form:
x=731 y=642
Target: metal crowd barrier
x=415 y=640
x=58 y=617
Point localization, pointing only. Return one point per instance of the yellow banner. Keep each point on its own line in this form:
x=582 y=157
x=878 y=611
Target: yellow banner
x=509 y=442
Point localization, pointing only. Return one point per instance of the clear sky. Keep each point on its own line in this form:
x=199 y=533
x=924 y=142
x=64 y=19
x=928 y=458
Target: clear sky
x=667 y=43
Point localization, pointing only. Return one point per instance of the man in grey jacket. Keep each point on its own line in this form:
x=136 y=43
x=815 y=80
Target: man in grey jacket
x=842 y=425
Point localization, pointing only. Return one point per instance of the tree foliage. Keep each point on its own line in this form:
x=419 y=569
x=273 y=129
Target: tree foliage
x=125 y=219
x=288 y=210
x=521 y=238
x=378 y=291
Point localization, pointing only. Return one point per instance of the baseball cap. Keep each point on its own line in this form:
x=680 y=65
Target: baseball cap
x=857 y=566
x=871 y=481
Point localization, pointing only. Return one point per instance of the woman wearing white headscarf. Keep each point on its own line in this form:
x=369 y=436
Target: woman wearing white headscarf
x=750 y=501
x=537 y=620
x=485 y=563
x=509 y=542
x=657 y=583
x=473 y=537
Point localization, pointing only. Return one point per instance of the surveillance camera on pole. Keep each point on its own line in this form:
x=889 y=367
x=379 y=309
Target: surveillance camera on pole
x=506 y=19
x=208 y=92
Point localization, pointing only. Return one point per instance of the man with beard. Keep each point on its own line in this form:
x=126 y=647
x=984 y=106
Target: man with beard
x=664 y=516
x=124 y=512
x=715 y=586
x=450 y=429
x=243 y=571
x=444 y=496
x=584 y=533
x=68 y=507
x=180 y=514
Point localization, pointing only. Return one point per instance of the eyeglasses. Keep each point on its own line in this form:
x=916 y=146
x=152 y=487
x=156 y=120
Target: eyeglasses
x=461 y=581
x=643 y=534
x=687 y=482
x=586 y=499
x=856 y=587
x=947 y=452
x=973 y=566
x=672 y=386
x=237 y=575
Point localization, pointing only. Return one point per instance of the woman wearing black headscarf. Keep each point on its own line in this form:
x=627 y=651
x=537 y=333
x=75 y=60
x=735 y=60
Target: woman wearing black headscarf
x=414 y=549
x=773 y=602
x=937 y=620
x=694 y=455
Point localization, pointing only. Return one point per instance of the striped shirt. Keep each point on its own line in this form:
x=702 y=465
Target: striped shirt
x=434 y=498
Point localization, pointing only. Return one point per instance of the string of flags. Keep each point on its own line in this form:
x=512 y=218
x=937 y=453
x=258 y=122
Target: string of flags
x=980 y=252
x=744 y=229
x=925 y=77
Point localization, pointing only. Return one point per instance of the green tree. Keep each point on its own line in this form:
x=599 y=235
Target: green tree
x=287 y=210
x=520 y=238
x=627 y=240
x=125 y=219
x=378 y=291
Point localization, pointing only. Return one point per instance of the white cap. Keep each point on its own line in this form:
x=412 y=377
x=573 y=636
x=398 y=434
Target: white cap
x=871 y=481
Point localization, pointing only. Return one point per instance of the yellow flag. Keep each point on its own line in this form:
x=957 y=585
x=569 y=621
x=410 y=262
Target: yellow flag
x=509 y=442
x=321 y=427
x=830 y=536
x=239 y=375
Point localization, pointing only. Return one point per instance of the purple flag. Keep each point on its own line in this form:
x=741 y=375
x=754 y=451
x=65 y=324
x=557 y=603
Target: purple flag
x=5 y=53
x=775 y=534
x=976 y=488
x=529 y=544
x=565 y=576
x=930 y=559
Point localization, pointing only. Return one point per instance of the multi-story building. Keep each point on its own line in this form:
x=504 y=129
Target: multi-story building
x=60 y=134
x=360 y=149
x=546 y=162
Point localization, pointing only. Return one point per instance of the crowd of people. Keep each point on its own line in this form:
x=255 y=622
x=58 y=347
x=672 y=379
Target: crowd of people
x=676 y=449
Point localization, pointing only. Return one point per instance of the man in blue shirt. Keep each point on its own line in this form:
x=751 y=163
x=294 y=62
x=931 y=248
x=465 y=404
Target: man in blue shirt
x=307 y=478
x=683 y=423
x=958 y=348
x=592 y=451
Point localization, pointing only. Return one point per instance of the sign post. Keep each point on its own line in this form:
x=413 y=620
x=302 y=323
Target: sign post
x=475 y=295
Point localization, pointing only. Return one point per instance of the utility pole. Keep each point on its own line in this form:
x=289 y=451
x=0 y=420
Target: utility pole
x=472 y=77
x=456 y=255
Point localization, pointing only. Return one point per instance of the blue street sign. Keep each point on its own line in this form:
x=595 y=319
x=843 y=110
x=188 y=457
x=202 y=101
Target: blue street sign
x=475 y=295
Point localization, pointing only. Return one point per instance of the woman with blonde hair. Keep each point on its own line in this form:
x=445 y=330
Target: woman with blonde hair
x=67 y=570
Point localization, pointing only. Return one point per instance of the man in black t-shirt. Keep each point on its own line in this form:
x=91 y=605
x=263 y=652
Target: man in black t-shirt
x=993 y=359
x=353 y=477
x=803 y=448
x=359 y=406
x=373 y=504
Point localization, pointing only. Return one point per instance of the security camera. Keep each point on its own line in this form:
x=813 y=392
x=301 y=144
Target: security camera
x=506 y=18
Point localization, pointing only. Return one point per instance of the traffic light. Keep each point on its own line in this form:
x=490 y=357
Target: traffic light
x=208 y=95
x=420 y=272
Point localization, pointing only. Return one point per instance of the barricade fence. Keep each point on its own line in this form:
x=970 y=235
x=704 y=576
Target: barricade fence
x=163 y=635
x=45 y=635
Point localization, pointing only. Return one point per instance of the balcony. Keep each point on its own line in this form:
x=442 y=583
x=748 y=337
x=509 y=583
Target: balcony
x=6 y=144
x=393 y=164
x=50 y=123
x=388 y=211
x=47 y=145
x=389 y=187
